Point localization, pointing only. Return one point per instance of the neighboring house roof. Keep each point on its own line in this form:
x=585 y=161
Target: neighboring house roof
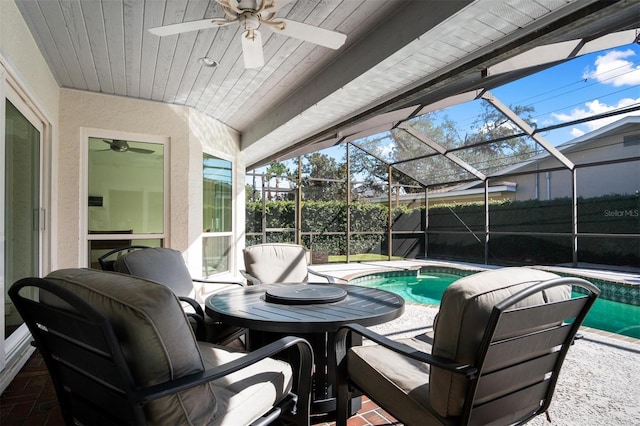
x=623 y=125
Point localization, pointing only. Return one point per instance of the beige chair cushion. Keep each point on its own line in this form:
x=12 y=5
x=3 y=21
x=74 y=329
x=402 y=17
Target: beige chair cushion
x=245 y=395
x=276 y=263
x=160 y=347
x=464 y=313
x=393 y=380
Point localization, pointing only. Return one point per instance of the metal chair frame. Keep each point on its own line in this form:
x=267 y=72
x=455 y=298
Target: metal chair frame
x=548 y=330
x=90 y=374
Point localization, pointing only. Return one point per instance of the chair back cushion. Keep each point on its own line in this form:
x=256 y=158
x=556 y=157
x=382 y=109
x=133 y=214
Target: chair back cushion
x=163 y=265
x=276 y=263
x=464 y=314
x=155 y=336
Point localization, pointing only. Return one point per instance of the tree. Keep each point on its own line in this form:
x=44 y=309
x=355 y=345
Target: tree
x=492 y=143
x=275 y=171
x=495 y=144
x=326 y=179
x=250 y=194
x=369 y=173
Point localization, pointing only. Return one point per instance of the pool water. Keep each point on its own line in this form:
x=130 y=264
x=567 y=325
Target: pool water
x=616 y=317
x=427 y=288
x=424 y=288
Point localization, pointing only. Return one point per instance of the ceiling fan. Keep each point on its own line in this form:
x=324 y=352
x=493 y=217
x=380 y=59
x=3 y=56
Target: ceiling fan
x=250 y=14
x=119 y=145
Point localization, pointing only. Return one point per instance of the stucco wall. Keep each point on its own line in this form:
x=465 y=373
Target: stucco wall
x=82 y=110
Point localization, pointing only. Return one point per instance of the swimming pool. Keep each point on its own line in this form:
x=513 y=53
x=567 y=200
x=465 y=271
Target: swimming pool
x=426 y=287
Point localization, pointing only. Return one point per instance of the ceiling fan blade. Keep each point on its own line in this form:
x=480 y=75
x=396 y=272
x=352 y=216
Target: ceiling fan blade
x=271 y=6
x=184 y=27
x=141 y=150
x=316 y=35
x=252 y=49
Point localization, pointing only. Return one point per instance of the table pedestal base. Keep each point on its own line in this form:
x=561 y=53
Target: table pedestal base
x=323 y=392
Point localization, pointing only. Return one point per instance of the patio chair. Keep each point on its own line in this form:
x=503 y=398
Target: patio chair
x=108 y=260
x=167 y=266
x=499 y=341
x=278 y=263
x=120 y=351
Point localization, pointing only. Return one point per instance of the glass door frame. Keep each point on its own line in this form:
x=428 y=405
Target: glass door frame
x=12 y=347
x=85 y=134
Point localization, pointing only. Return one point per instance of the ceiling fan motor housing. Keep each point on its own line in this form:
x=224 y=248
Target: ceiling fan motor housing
x=119 y=145
x=249 y=21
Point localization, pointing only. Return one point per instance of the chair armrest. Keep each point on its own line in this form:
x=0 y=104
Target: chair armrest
x=325 y=276
x=195 y=305
x=251 y=280
x=203 y=281
x=303 y=388
x=436 y=361
x=107 y=265
x=197 y=315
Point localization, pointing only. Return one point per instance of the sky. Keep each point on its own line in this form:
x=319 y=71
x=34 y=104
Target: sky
x=591 y=84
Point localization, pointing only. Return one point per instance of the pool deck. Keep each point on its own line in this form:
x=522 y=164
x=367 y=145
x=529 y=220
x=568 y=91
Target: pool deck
x=600 y=380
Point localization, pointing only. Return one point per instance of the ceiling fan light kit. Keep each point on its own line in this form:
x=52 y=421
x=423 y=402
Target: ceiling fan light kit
x=250 y=14
x=208 y=62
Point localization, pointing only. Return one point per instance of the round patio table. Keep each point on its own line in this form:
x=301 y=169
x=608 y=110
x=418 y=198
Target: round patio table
x=312 y=311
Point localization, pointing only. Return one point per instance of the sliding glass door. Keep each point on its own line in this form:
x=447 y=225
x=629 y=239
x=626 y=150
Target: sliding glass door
x=21 y=211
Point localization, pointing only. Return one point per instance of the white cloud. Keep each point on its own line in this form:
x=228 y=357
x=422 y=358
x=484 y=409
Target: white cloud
x=593 y=108
x=576 y=133
x=386 y=150
x=614 y=68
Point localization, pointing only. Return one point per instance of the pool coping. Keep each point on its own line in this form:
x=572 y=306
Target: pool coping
x=597 y=331
x=379 y=267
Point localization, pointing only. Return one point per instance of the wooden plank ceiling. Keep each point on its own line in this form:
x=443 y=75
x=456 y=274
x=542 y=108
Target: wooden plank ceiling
x=303 y=90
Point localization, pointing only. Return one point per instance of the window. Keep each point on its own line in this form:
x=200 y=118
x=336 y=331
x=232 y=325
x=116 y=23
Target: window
x=217 y=192
x=632 y=140
x=126 y=192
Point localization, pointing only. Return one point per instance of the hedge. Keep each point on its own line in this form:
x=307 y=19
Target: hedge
x=617 y=214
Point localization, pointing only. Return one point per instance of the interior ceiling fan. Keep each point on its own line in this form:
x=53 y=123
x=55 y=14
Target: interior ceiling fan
x=250 y=14
x=119 y=145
